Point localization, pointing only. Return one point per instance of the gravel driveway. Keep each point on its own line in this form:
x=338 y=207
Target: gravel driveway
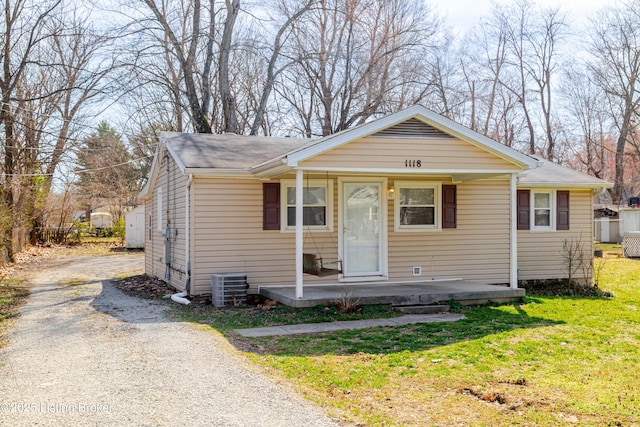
x=86 y=354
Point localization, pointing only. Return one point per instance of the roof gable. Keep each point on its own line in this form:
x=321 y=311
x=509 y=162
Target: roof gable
x=401 y=123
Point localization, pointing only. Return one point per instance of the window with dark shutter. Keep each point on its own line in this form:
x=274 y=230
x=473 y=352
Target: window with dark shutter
x=524 y=208
x=271 y=206
x=562 y=210
x=449 y=206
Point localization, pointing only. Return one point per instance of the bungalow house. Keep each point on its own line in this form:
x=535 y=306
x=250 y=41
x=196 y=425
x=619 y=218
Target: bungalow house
x=406 y=198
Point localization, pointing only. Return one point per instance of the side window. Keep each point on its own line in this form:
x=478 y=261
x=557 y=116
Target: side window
x=317 y=209
x=542 y=211
x=549 y=210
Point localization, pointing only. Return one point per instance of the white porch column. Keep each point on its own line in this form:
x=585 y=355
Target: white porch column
x=513 y=241
x=299 y=230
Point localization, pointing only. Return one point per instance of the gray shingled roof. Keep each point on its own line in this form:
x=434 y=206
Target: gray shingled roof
x=238 y=152
x=228 y=151
x=553 y=175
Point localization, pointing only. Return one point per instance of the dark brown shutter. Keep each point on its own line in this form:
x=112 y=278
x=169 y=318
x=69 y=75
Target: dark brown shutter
x=271 y=206
x=524 y=208
x=562 y=209
x=449 y=209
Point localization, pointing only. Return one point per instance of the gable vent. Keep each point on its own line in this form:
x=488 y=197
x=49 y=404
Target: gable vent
x=412 y=128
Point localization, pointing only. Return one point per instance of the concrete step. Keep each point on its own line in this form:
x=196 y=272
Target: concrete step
x=422 y=309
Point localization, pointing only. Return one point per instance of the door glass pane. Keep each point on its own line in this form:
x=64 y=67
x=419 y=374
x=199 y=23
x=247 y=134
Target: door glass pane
x=362 y=229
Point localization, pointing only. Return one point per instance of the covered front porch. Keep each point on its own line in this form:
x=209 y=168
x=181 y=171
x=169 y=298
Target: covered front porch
x=398 y=294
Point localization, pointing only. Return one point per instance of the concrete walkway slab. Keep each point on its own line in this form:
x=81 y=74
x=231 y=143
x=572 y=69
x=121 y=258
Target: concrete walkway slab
x=313 y=328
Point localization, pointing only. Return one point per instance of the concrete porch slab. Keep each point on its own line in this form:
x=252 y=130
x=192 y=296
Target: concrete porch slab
x=399 y=294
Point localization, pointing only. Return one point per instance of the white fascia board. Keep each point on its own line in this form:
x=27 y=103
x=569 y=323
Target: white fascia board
x=560 y=185
x=275 y=171
x=177 y=159
x=449 y=126
x=220 y=173
x=275 y=163
x=153 y=172
x=421 y=113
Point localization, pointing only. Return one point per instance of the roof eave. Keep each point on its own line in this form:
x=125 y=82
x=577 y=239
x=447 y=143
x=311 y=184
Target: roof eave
x=565 y=184
x=219 y=173
x=145 y=191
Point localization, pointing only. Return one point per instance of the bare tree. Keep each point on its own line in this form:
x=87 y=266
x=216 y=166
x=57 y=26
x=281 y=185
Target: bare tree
x=292 y=16
x=585 y=106
x=180 y=40
x=228 y=103
x=515 y=18
x=615 y=47
x=543 y=41
x=24 y=28
x=348 y=58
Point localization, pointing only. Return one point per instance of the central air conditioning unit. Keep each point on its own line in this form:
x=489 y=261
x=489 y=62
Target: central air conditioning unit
x=229 y=289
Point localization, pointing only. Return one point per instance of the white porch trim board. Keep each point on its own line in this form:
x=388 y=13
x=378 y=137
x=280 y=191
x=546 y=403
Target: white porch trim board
x=299 y=229
x=513 y=232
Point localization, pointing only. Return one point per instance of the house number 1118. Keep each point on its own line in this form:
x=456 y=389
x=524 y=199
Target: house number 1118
x=413 y=163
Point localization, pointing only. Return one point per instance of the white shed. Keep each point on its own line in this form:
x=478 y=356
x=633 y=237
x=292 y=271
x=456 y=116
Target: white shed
x=630 y=230
x=134 y=235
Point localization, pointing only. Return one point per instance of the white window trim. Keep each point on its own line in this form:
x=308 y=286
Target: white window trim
x=437 y=186
x=291 y=183
x=159 y=206
x=552 y=213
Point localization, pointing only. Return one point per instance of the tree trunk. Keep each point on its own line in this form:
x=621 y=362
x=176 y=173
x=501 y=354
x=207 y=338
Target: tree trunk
x=228 y=102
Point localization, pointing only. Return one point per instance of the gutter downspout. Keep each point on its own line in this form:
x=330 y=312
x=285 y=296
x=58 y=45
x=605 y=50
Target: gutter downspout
x=167 y=229
x=180 y=297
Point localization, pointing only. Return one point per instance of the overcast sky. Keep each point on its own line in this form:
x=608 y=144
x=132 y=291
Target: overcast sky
x=462 y=14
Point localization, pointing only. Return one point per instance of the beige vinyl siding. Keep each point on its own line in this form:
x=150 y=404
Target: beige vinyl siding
x=477 y=249
x=227 y=215
x=540 y=254
x=155 y=263
x=390 y=153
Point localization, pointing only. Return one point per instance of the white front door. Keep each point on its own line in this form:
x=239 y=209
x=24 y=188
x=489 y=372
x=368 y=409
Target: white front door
x=363 y=221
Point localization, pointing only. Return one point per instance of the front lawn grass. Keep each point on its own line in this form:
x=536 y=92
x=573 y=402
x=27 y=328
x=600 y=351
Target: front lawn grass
x=550 y=361
x=228 y=319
